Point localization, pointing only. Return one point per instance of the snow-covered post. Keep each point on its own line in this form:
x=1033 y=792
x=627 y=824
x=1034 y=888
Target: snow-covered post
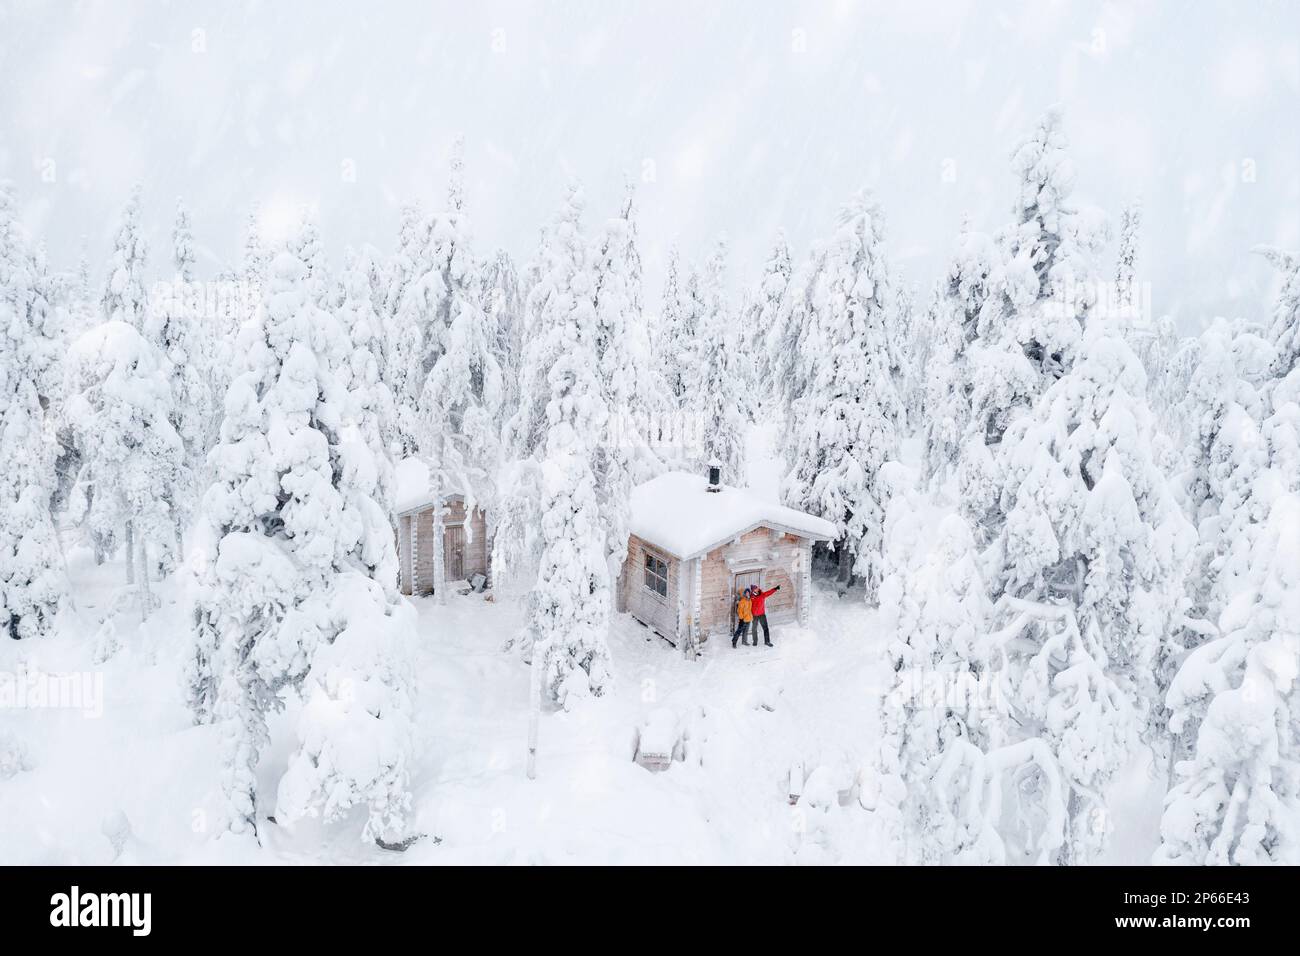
x=415 y=554
x=691 y=646
x=805 y=582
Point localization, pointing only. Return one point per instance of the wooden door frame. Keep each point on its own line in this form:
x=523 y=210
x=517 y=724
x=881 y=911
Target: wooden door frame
x=760 y=571
x=447 y=556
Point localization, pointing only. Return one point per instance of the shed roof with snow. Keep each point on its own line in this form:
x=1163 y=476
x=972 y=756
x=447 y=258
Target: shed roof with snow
x=414 y=488
x=677 y=512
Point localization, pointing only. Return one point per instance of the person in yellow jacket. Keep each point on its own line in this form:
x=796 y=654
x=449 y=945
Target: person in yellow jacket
x=744 y=614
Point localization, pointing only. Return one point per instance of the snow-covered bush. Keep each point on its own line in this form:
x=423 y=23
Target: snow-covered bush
x=14 y=755
x=357 y=722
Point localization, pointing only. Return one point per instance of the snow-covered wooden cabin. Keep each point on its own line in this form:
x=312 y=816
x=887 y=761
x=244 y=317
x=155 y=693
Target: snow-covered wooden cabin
x=695 y=542
x=465 y=545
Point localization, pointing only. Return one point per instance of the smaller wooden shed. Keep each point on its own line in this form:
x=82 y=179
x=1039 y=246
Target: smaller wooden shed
x=465 y=538
x=693 y=545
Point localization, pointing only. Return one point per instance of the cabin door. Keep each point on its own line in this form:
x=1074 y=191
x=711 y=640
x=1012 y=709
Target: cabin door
x=455 y=553
x=740 y=581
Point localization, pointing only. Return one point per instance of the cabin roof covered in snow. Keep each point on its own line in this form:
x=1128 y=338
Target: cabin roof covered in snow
x=414 y=490
x=675 y=512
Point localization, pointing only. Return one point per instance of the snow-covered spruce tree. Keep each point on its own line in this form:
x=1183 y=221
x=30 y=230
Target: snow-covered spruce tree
x=542 y=509
x=1056 y=242
x=404 y=324
x=83 y=315
x=443 y=279
x=846 y=424
x=1237 y=800
x=125 y=298
x=1224 y=400
x=789 y=342
x=56 y=313
x=630 y=385
x=1127 y=295
x=306 y=245
x=459 y=407
x=372 y=408
x=907 y=333
x=562 y=279
x=1169 y=360
x=1284 y=331
x=183 y=258
x=32 y=583
x=679 y=329
x=301 y=591
x=716 y=393
x=83 y=304
x=253 y=257
x=186 y=337
x=51 y=321
x=953 y=323
x=569 y=606
x=1040 y=293
x=504 y=304
x=763 y=322
x=133 y=469
x=934 y=600
x=1092 y=555
x=1233 y=699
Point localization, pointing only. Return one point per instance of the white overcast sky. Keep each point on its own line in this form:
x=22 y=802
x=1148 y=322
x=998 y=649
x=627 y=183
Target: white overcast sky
x=735 y=117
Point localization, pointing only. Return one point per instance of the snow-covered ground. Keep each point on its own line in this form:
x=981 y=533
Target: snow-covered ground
x=125 y=776
x=747 y=716
x=128 y=777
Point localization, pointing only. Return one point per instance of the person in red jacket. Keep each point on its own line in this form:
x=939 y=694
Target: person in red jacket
x=758 y=605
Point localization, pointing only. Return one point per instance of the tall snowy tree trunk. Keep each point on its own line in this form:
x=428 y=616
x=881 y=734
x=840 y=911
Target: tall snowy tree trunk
x=146 y=598
x=130 y=553
x=439 y=550
x=615 y=567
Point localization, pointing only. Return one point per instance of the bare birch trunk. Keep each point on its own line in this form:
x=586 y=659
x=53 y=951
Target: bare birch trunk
x=130 y=553
x=146 y=598
x=439 y=550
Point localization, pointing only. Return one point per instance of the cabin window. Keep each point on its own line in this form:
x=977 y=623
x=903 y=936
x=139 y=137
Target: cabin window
x=656 y=574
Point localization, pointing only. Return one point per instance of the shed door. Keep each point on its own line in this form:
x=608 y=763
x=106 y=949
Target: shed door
x=455 y=553
x=740 y=581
